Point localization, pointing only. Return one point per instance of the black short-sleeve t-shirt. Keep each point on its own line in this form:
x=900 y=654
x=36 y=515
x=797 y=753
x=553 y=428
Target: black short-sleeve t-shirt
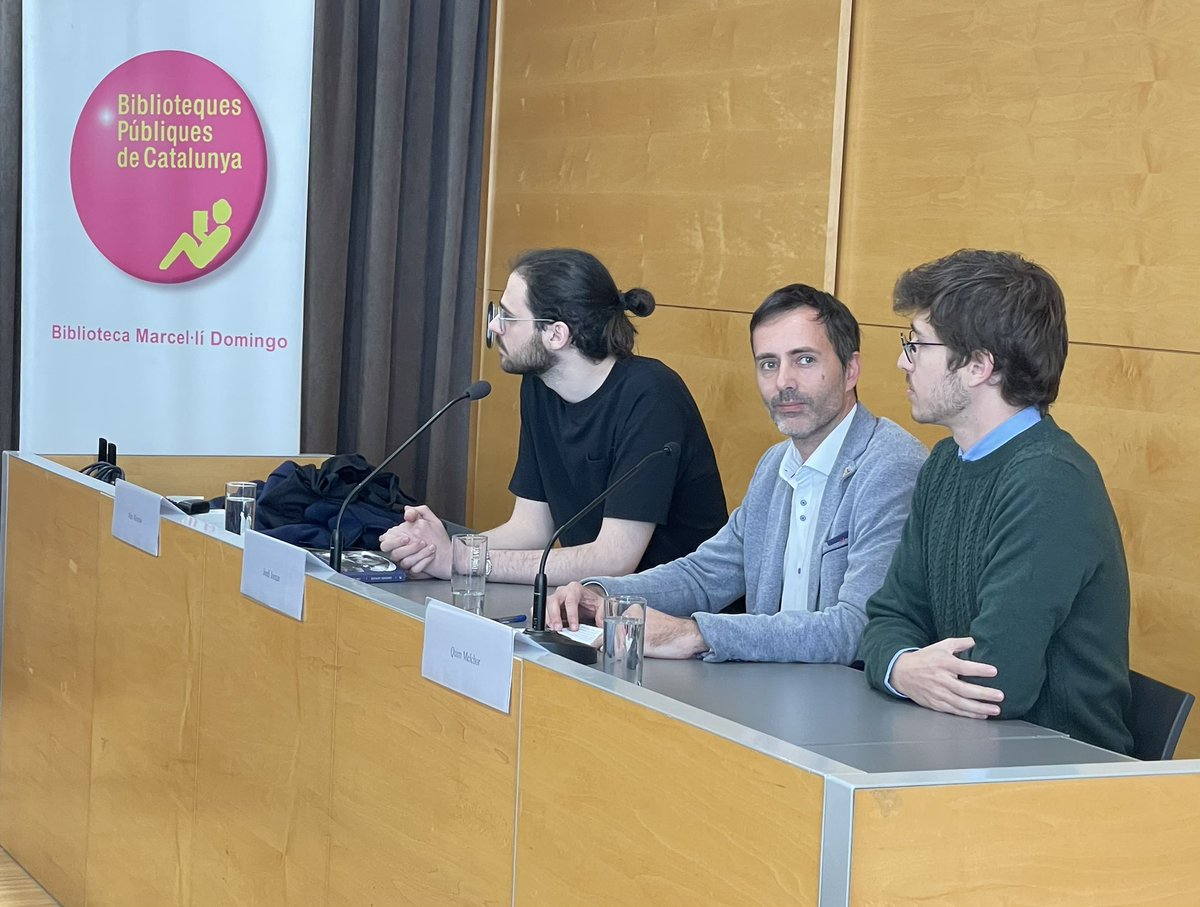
x=570 y=452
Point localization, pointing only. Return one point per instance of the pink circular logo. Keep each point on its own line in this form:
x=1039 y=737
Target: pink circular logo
x=168 y=166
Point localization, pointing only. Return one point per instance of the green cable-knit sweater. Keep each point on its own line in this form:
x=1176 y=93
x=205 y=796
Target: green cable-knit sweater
x=1020 y=550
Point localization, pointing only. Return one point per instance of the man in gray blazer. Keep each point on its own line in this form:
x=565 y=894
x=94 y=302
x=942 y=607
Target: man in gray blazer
x=814 y=535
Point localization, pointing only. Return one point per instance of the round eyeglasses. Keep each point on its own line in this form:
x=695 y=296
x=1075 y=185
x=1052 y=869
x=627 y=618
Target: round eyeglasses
x=503 y=320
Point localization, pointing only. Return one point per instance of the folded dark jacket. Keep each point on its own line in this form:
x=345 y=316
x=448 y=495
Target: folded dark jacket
x=298 y=504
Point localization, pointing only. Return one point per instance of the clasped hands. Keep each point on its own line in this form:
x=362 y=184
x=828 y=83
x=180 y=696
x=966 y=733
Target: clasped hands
x=420 y=544
x=932 y=677
x=666 y=636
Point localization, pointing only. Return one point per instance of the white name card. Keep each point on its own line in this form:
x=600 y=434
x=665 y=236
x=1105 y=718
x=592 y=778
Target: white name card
x=468 y=654
x=135 y=516
x=273 y=573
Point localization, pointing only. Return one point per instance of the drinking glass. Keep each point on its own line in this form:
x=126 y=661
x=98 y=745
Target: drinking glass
x=240 y=500
x=468 y=571
x=624 y=636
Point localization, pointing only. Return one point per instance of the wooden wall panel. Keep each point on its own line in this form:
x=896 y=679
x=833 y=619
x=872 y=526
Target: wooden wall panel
x=424 y=780
x=145 y=718
x=1111 y=842
x=689 y=147
x=618 y=799
x=49 y=638
x=190 y=475
x=265 y=752
x=1064 y=129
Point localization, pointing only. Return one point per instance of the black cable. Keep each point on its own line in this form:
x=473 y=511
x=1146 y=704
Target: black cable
x=105 y=472
x=105 y=468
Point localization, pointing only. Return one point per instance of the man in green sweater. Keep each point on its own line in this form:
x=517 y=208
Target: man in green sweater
x=1008 y=595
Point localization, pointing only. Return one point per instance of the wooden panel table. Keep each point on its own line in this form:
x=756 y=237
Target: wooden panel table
x=167 y=741
x=164 y=740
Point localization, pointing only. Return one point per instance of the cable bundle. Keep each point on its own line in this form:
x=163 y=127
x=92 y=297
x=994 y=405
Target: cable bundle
x=105 y=468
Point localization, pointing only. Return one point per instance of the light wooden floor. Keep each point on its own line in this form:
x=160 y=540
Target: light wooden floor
x=17 y=889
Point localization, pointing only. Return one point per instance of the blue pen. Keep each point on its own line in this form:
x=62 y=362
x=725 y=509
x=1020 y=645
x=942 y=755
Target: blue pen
x=511 y=619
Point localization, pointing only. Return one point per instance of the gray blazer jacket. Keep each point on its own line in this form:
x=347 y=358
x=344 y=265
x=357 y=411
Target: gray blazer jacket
x=864 y=507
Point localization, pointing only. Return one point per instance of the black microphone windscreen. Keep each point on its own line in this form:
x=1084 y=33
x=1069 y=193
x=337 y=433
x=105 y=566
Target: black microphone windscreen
x=672 y=448
x=478 y=390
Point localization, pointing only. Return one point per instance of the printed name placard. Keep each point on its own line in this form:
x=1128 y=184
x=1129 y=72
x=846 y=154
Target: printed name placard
x=273 y=574
x=135 y=516
x=468 y=654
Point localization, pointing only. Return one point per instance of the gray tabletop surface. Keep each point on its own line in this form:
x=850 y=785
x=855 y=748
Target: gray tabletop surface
x=500 y=600
x=966 y=753
x=828 y=709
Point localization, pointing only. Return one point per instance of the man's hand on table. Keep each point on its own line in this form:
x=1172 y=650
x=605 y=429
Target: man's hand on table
x=572 y=602
x=420 y=544
x=666 y=636
x=932 y=677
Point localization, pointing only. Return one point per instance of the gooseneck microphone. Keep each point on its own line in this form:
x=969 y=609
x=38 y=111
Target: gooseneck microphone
x=556 y=642
x=476 y=391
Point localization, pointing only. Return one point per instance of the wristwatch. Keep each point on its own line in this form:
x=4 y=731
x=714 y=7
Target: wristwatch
x=487 y=565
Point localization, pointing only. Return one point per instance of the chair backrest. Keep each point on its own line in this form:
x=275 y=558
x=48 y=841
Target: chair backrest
x=1157 y=716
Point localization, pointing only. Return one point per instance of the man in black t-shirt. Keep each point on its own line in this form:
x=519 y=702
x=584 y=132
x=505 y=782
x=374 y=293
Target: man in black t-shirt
x=590 y=410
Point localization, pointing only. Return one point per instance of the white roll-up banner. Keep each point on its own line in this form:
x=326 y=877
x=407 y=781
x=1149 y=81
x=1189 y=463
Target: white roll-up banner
x=164 y=194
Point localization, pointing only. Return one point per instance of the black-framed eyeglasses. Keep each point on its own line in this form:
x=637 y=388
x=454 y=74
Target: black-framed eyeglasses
x=910 y=346
x=503 y=320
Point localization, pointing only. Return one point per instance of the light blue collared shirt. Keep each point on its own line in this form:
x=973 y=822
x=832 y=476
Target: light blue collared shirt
x=808 y=479
x=1002 y=434
x=989 y=443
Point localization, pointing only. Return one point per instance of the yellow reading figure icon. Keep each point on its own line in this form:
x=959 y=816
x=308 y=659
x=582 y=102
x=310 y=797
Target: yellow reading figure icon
x=200 y=246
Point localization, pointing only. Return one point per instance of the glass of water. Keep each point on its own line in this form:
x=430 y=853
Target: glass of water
x=239 y=506
x=624 y=636
x=468 y=571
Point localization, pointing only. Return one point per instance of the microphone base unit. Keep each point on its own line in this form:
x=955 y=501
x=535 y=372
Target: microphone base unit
x=564 y=646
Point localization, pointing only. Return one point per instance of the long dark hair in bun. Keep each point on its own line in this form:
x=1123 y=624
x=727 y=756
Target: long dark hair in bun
x=572 y=286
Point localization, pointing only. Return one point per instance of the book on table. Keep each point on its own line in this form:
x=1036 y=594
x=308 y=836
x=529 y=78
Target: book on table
x=366 y=566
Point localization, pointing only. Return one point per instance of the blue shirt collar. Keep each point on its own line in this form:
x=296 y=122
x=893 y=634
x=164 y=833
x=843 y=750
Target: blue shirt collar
x=1002 y=434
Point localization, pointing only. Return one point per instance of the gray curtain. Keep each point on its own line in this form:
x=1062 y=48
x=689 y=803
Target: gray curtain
x=393 y=223
x=10 y=219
